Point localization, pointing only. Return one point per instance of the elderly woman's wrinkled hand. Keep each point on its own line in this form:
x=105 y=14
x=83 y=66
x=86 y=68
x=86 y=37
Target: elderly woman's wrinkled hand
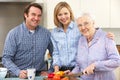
x=89 y=70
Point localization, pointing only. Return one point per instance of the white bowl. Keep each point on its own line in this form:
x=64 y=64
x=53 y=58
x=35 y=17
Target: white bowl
x=3 y=72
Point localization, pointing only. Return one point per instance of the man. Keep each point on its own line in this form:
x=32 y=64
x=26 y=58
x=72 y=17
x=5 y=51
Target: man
x=26 y=44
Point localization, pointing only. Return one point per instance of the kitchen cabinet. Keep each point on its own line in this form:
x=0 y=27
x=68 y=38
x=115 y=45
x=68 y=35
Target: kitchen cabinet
x=117 y=73
x=100 y=9
x=118 y=47
x=117 y=70
x=106 y=12
x=115 y=13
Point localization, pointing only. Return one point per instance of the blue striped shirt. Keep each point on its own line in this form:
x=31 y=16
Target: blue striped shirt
x=65 y=45
x=24 y=49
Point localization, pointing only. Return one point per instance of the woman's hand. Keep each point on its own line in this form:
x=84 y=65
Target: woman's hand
x=72 y=77
x=110 y=35
x=89 y=70
x=56 y=69
x=67 y=71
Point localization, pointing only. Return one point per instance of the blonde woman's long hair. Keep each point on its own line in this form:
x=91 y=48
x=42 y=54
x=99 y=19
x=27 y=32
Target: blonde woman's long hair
x=57 y=9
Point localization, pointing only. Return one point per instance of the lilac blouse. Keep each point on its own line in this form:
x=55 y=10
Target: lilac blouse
x=102 y=52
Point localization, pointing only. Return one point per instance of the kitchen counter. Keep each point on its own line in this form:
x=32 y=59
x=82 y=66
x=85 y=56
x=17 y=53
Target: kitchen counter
x=36 y=78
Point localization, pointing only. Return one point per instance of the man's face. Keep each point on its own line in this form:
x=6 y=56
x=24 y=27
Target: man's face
x=33 y=17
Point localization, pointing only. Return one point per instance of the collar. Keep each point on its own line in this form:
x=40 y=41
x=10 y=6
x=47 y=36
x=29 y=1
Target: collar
x=26 y=29
x=70 y=26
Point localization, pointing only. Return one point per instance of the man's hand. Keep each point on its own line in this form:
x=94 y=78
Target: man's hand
x=44 y=73
x=23 y=74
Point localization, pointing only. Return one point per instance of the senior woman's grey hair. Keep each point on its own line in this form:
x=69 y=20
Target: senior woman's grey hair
x=92 y=17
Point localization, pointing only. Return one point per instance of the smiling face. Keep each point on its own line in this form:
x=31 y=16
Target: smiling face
x=86 y=26
x=33 y=17
x=64 y=16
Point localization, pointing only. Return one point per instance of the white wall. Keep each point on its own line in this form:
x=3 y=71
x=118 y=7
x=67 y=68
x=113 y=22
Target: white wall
x=49 y=6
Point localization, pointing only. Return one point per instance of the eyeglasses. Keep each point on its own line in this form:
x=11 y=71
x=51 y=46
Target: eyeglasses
x=84 y=24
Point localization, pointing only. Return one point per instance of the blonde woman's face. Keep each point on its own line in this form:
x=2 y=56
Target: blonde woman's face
x=64 y=16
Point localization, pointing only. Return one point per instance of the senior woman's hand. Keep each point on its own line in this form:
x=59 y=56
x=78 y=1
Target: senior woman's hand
x=89 y=70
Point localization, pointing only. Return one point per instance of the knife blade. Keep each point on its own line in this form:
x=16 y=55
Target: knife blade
x=74 y=74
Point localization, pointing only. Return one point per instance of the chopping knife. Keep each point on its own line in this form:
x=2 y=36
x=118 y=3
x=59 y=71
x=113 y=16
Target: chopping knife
x=74 y=74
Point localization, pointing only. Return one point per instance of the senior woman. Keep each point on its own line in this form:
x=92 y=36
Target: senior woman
x=97 y=55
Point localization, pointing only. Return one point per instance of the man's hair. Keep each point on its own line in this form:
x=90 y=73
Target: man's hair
x=27 y=8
